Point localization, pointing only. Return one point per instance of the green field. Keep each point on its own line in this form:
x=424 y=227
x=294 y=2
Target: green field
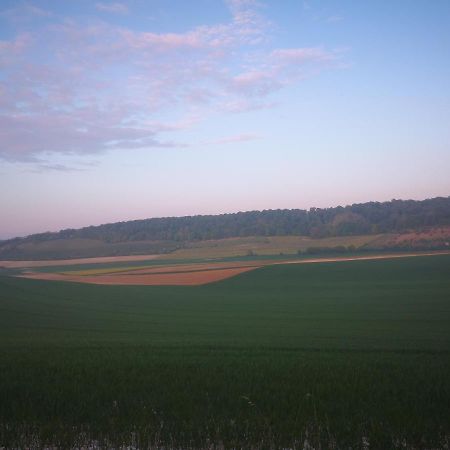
x=269 y=245
x=338 y=355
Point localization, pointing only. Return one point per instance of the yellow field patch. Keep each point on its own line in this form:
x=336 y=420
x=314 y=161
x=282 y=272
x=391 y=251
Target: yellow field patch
x=104 y=271
x=270 y=245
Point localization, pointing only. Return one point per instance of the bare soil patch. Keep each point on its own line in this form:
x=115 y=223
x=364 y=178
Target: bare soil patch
x=177 y=268
x=194 y=278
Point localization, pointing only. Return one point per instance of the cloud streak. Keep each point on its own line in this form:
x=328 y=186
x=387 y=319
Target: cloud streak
x=73 y=87
x=234 y=139
x=114 y=8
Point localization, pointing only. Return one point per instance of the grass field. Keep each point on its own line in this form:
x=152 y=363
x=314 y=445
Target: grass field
x=218 y=248
x=341 y=355
x=269 y=245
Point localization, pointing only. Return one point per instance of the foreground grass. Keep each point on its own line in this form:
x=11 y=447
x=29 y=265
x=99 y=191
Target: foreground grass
x=337 y=354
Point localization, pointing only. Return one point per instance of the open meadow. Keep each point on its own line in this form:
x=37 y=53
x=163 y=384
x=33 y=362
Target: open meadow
x=351 y=354
x=225 y=225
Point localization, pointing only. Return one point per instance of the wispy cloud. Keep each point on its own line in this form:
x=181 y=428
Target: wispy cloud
x=302 y=55
x=11 y=50
x=234 y=139
x=25 y=13
x=114 y=8
x=76 y=87
x=48 y=167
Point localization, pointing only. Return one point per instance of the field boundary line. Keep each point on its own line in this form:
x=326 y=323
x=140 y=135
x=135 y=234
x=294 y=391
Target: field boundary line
x=360 y=258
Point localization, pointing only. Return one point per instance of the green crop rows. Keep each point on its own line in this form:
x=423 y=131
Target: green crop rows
x=349 y=354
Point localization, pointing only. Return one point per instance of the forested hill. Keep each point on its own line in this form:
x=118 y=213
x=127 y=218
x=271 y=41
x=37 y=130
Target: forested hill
x=364 y=218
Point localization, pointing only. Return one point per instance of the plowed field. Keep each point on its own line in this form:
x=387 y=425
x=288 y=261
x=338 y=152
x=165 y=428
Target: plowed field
x=194 y=278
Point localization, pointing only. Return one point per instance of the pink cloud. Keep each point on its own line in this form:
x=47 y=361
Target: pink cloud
x=11 y=50
x=255 y=83
x=78 y=88
x=162 y=42
x=246 y=105
x=302 y=55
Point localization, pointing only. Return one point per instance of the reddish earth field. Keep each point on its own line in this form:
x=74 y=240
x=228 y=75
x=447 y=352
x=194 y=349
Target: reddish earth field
x=194 y=274
x=181 y=278
x=195 y=267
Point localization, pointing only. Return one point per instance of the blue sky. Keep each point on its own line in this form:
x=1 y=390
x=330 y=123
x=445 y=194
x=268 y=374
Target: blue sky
x=123 y=110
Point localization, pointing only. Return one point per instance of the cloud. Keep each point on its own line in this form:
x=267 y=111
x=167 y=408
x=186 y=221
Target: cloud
x=255 y=83
x=11 y=50
x=302 y=55
x=24 y=12
x=282 y=67
x=114 y=8
x=48 y=167
x=233 y=139
x=76 y=133
x=159 y=43
x=83 y=88
x=246 y=105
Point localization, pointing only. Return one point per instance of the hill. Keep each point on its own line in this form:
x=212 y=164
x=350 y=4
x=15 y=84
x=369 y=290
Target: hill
x=399 y=224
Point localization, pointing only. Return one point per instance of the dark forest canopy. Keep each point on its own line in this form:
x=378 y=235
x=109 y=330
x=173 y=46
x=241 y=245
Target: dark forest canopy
x=364 y=218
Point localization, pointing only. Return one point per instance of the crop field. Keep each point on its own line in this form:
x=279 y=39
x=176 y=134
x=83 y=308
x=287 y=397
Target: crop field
x=352 y=354
x=269 y=245
x=179 y=274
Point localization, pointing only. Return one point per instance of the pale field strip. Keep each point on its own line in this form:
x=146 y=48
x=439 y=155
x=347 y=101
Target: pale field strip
x=361 y=258
x=193 y=267
x=73 y=262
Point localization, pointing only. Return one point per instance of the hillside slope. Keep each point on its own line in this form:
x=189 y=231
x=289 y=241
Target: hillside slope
x=399 y=224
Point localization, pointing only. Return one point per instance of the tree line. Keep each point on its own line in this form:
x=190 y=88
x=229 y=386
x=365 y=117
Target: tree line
x=363 y=218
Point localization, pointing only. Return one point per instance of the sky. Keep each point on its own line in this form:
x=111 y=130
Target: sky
x=121 y=110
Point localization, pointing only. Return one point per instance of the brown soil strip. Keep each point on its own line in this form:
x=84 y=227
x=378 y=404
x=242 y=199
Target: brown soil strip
x=159 y=279
x=189 y=267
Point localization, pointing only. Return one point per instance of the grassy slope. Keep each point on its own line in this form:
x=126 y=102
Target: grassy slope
x=342 y=350
x=221 y=248
x=273 y=245
x=73 y=248
x=81 y=248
